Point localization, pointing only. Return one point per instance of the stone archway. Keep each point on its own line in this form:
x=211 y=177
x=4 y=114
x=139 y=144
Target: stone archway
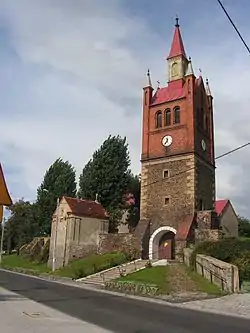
x=160 y=237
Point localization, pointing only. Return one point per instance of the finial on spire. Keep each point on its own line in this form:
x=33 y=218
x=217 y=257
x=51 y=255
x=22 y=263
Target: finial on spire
x=158 y=84
x=149 y=78
x=208 y=91
x=177 y=21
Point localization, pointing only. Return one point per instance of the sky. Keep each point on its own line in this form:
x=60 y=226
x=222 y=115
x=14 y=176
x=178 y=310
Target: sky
x=72 y=73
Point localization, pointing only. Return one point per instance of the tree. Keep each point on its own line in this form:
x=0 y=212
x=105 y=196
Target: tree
x=107 y=174
x=22 y=225
x=59 y=180
x=244 y=226
x=134 y=187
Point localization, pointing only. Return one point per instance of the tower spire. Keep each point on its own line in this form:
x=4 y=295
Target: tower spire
x=177 y=47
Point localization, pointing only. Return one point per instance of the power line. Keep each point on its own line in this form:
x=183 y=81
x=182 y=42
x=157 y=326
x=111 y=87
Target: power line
x=190 y=169
x=236 y=29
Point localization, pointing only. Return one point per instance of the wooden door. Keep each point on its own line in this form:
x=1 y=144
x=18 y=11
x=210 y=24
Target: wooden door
x=165 y=249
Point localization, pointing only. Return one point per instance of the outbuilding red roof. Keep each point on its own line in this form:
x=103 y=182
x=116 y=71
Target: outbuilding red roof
x=220 y=205
x=86 y=208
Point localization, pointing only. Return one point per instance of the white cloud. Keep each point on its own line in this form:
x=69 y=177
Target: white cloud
x=86 y=63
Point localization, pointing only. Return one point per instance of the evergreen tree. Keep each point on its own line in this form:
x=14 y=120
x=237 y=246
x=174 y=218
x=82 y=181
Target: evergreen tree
x=107 y=175
x=59 y=180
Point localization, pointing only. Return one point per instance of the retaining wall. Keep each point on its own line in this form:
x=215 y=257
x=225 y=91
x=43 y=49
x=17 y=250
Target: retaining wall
x=222 y=274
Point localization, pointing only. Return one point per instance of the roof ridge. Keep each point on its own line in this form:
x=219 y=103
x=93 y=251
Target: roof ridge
x=79 y=199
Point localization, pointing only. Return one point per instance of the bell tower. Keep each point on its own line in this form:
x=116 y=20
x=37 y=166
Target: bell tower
x=177 y=160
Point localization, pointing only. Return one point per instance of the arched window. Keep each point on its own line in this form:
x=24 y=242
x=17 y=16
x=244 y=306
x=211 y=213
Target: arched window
x=167 y=117
x=158 y=119
x=174 y=70
x=177 y=115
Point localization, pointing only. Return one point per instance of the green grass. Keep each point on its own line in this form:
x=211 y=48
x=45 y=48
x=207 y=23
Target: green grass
x=93 y=264
x=173 y=279
x=76 y=269
x=203 y=284
x=14 y=261
x=153 y=276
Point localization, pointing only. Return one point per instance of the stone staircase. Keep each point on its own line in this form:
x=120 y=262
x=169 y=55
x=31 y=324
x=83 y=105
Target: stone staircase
x=100 y=278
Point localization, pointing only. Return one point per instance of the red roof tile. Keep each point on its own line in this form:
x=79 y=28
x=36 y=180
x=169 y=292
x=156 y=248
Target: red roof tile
x=220 y=205
x=184 y=227
x=174 y=90
x=86 y=208
x=177 y=47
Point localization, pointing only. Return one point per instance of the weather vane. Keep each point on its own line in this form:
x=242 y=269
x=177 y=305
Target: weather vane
x=158 y=82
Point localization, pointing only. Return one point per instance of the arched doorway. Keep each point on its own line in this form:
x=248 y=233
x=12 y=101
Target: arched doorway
x=166 y=246
x=162 y=243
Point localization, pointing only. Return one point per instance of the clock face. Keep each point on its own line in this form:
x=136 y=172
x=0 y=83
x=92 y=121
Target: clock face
x=203 y=145
x=166 y=140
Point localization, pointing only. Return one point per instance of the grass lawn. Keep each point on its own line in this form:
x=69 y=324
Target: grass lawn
x=155 y=276
x=175 y=278
x=90 y=265
x=15 y=261
x=76 y=269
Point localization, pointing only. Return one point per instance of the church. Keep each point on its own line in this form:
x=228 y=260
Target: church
x=178 y=161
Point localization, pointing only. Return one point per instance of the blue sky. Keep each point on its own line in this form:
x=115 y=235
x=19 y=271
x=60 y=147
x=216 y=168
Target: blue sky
x=72 y=73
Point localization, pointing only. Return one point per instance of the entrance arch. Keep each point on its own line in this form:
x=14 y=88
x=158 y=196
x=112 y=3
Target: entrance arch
x=161 y=243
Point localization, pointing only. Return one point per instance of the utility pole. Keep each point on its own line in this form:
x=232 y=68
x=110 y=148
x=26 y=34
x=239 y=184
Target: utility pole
x=2 y=236
x=55 y=237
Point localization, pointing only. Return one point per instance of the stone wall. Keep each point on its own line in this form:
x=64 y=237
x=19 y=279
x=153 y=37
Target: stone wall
x=207 y=235
x=222 y=274
x=79 y=251
x=126 y=243
x=207 y=219
x=36 y=250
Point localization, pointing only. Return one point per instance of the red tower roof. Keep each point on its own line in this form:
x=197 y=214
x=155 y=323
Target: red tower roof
x=177 y=47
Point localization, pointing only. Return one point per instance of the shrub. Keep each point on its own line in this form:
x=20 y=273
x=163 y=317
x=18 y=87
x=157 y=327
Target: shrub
x=231 y=250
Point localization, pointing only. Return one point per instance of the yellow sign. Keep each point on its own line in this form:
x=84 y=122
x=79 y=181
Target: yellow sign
x=5 y=199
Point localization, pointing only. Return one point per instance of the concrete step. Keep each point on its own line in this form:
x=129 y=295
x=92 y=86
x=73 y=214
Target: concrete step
x=113 y=273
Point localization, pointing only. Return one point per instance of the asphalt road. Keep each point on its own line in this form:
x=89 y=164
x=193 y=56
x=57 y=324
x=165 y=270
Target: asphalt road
x=119 y=314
